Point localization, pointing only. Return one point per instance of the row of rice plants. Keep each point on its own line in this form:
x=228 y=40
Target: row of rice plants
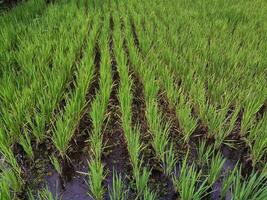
x=188 y=177
x=98 y=114
x=159 y=129
x=207 y=112
x=132 y=134
x=68 y=120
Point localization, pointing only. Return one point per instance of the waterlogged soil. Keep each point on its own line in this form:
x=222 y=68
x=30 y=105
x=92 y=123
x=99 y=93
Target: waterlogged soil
x=32 y=171
x=73 y=186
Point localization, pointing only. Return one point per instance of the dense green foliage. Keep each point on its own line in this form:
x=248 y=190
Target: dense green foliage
x=202 y=67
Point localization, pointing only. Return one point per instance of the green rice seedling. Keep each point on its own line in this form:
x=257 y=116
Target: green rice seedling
x=170 y=160
x=253 y=187
x=148 y=195
x=140 y=173
x=188 y=123
x=141 y=178
x=98 y=115
x=160 y=140
x=228 y=128
x=188 y=182
x=7 y=122
x=215 y=119
x=65 y=127
x=25 y=142
x=117 y=190
x=45 y=194
x=215 y=168
x=228 y=180
x=257 y=138
x=5 y=140
x=56 y=164
x=204 y=153
x=37 y=127
x=252 y=105
x=9 y=157
x=96 y=175
x=10 y=181
x=4 y=190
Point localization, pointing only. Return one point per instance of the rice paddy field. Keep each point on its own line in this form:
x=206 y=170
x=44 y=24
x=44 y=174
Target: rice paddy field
x=133 y=100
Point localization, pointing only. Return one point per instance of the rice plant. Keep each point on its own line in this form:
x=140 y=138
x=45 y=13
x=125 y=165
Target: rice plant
x=67 y=122
x=215 y=169
x=117 y=191
x=98 y=115
x=188 y=182
x=253 y=187
x=132 y=134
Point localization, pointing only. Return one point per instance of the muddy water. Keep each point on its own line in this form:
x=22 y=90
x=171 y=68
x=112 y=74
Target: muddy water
x=76 y=188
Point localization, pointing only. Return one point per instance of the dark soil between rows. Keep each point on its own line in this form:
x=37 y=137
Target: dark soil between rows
x=158 y=181
x=115 y=155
